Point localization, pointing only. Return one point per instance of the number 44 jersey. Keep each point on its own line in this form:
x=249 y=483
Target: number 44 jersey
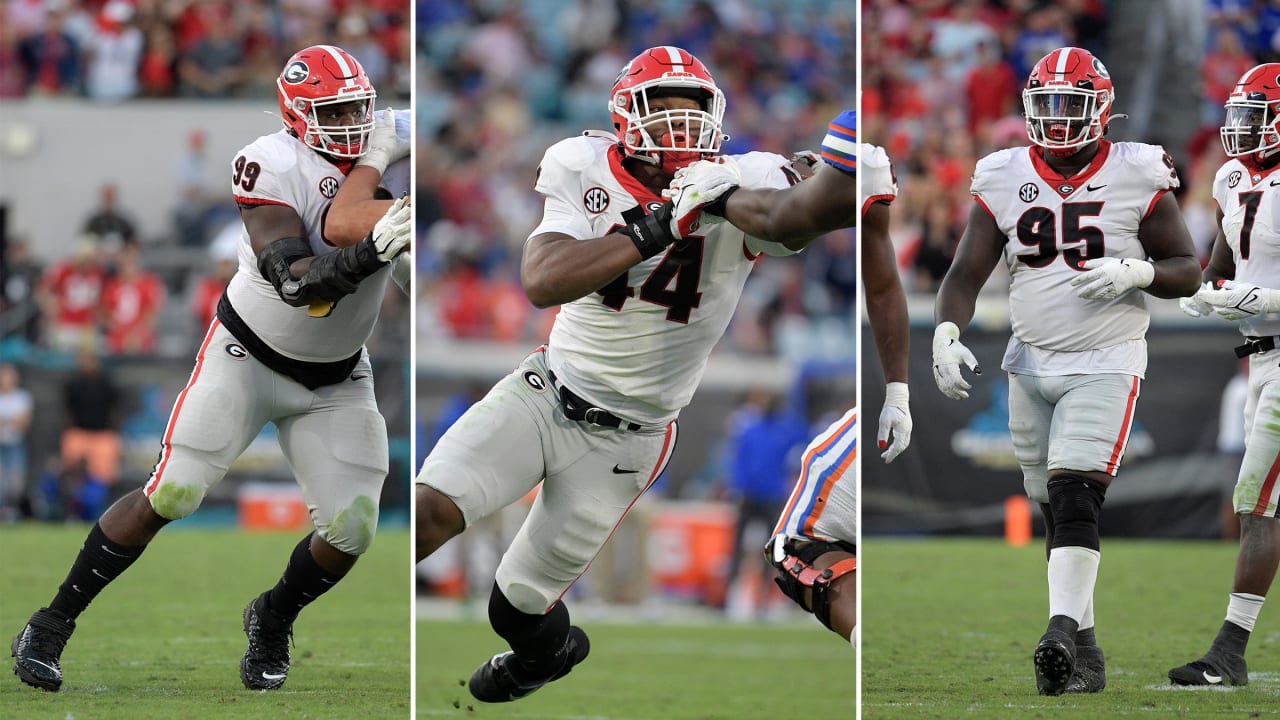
x=639 y=345
x=1054 y=224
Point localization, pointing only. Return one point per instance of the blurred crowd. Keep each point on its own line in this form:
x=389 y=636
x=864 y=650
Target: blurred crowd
x=499 y=82
x=942 y=82
x=113 y=50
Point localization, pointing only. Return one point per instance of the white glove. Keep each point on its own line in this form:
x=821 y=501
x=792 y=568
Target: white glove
x=948 y=353
x=698 y=185
x=895 y=418
x=1237 y=301
x=394 y=230
x=1109 y=278
x=1194 y=306
x=384 y=146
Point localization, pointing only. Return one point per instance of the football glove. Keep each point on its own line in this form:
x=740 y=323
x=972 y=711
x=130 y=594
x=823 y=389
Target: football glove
x=652 y=233
x=895 y=420
x=384 y=145
x=394 y=230
x=1194 y=306
x=702 y=186
x=948 y=354
x=1239 y=300
x=1108 y=278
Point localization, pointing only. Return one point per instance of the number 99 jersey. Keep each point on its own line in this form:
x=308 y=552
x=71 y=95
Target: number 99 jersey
x=1053 y=224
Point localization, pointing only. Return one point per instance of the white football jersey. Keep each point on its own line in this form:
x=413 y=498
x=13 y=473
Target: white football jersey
x=1250 y=207
x=638 y=346
x=1052 y=224
x=396 y=178
x=279 y=169
x=876 y=175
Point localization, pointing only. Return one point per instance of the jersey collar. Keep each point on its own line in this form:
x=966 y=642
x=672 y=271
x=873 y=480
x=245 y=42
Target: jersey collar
x=1064 y=186
x=638 y=190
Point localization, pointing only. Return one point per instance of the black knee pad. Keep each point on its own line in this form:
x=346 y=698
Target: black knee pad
x=1076 y=504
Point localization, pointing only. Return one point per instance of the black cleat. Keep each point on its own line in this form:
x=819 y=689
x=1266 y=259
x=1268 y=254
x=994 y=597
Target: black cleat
x=265 y=664
x=37 y=650
x=496 y=681
x=1090 y=674
x=1055 y=660
x=1215 y=668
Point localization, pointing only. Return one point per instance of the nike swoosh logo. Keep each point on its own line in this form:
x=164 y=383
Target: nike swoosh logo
x=1275 y=183
x=1091 y=188
x=104 y=577
x=358 y=377
x=112 y=552
x=1212 y=679
x=617 y=470
x=52 y=669
x=270 y=676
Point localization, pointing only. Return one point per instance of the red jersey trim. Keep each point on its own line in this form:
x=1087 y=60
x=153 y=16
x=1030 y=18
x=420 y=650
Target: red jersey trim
x=1152 y=205
x=1053 y=178
x=241 y=200
x=984 y=206
x=629 y=181
x=866 y=204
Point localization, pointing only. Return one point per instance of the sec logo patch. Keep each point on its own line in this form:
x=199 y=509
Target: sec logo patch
x=329 y=187
x=1233 y=179
x=596 y=200
x=1028 y=192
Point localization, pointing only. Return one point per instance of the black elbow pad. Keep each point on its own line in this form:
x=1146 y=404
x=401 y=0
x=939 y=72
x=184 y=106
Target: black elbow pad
x=333 y=275
x=275 y=259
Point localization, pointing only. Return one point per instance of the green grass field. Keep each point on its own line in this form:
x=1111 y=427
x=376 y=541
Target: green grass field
x=653 y=672
x=948 y=629
x=164 y=641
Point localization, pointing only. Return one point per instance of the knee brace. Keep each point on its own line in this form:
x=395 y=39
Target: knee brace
x=796 y=572
x=1075 y=502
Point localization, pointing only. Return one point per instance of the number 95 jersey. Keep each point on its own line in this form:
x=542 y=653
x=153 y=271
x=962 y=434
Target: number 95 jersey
x=639 y=345
x=1053 y=224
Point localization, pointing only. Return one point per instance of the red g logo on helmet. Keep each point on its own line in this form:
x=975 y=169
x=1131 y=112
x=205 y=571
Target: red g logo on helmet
x=326 y=100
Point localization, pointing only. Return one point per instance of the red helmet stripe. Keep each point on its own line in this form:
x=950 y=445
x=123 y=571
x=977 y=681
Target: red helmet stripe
x=1061 y=68
x=673 y=54
x=348 y=74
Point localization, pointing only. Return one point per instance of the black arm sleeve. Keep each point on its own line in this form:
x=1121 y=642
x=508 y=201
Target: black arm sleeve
x=275 y=259
x=333 y=275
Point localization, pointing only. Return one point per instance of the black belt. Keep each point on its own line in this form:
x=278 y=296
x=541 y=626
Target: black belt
x=1255 y=345
x=579 y=410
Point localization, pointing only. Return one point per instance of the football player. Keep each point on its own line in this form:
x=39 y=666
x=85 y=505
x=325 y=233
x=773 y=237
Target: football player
x=592 y=415
x=1083 y=224
x=287 y=348
x=814 y=545
x=1240 y=281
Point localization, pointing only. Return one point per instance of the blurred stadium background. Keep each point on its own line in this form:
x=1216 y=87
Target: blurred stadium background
x=941 y=85
x=118 y=122
x=498 y=83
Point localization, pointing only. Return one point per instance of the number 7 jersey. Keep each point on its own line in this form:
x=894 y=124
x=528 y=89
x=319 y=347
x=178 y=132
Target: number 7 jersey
x=1052 y=224
x=1250 y=205
x=639 y=345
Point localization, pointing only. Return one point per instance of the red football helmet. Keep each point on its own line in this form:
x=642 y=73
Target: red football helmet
x=1067 y=100
x=670 y=139
x=1251 y=131
x=314 y=83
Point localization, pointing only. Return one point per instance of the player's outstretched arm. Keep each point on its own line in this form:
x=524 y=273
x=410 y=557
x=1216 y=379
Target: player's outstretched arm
x=1165 y=237
x=794 y=216
x=887 y=310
